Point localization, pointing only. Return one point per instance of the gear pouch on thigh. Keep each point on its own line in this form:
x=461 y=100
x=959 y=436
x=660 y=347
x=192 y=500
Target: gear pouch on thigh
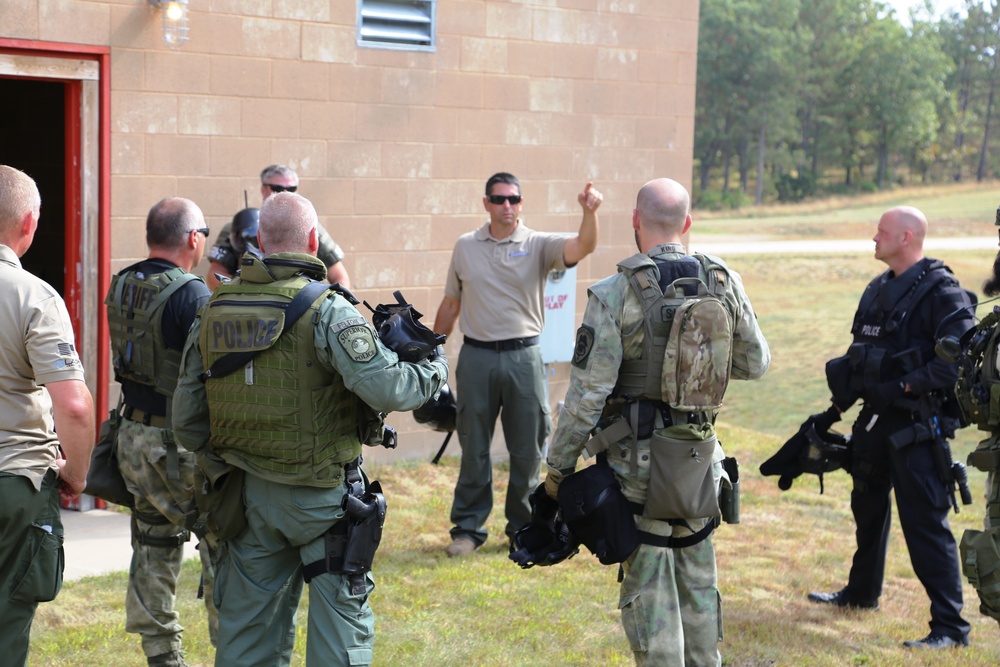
x=41 y=564
x=980 y=551
x=681 y=485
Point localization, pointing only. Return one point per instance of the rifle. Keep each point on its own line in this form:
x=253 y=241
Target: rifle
x=935 y=429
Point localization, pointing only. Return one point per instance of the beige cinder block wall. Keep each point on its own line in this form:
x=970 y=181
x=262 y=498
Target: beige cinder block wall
x=393 y=146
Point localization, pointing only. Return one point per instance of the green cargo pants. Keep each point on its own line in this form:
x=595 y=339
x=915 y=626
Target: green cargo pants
x=259 y=581
x=31 y=558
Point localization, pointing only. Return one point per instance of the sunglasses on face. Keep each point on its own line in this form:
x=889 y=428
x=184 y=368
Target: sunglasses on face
x=203 y=230
x=500 y=199
x=282 y=188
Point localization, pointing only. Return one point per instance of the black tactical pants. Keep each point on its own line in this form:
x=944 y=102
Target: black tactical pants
x=922 y=501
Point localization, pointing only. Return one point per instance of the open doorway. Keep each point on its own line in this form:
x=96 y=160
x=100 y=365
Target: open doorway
x=34 y=141
x=57 y=130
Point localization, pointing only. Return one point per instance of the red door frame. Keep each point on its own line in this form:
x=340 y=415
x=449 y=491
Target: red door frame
x=74 y=189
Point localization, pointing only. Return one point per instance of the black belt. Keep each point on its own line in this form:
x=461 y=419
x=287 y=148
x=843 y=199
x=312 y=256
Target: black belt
x=503 y=345
x=143 y=417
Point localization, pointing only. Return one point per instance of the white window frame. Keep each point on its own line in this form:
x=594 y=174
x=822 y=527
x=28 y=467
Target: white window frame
x=410 y=25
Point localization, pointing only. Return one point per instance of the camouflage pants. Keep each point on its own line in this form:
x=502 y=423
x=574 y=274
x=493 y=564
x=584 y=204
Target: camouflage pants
x=160 y=508
x=670 y=603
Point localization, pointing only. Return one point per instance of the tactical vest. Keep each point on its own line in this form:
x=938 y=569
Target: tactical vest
x=978 y=388
x=648 y=377
x=882 y=331
x=135 y=304
x=884 y=323
x=284 y=413
x=978 y=392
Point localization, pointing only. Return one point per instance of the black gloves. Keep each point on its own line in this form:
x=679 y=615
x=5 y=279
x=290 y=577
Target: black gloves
x=824 y=420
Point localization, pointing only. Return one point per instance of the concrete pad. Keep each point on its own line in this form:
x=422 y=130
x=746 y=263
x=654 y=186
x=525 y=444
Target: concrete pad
x=99 y=542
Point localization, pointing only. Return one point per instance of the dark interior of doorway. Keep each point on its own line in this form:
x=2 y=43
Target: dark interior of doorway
x=33 y=140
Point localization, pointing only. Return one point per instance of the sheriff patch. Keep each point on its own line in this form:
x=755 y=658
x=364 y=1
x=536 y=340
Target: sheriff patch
x=584 y=343
x=358 y=342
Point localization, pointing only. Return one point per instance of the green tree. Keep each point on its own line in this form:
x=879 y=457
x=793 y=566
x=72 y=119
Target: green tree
x=747 y=55
x=899 y=77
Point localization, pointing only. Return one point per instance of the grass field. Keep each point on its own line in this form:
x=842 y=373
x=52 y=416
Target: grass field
x=485 y=611
x=956 y=210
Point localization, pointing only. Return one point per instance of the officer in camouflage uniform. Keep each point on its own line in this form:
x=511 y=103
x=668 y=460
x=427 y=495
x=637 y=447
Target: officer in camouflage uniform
x=979 y=376
x=151 y=306
x=224 y=255
x=294 y=419
x=669 y=596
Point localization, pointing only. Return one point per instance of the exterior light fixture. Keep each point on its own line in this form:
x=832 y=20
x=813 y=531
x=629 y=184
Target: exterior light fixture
x=175 y=21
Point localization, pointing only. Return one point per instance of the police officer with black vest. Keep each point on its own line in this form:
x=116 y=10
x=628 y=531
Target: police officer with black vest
x=899 y=439
x=307 y=389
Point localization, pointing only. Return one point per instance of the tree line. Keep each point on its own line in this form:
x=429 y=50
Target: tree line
x=803 y=97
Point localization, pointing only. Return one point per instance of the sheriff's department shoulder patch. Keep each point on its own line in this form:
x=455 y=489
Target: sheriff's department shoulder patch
x=358 y=342
x=584 y=344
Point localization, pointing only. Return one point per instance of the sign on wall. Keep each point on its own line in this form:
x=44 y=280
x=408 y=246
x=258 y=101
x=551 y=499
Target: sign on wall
x=559 y=334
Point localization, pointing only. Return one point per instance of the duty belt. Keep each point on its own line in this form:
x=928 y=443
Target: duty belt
x=143 y=417
x=503 y=345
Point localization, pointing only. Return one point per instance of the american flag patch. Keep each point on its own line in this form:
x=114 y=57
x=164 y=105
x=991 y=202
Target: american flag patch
x=67 y=349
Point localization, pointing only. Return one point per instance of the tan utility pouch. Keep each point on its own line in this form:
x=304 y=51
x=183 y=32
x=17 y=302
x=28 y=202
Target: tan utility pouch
x=681 y=484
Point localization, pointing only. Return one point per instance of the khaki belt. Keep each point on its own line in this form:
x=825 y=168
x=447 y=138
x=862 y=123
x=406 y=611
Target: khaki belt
x=143 y=417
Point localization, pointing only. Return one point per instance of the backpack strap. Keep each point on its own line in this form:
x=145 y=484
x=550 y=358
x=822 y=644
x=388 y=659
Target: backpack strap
x=643 y=275
x=294 y=309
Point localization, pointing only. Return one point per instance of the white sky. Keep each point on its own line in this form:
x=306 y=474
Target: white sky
x=903 y=7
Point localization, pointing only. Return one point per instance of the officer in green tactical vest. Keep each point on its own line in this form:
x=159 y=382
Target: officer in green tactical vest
x=151 y=305
x=616 y=407
x=293 y=416
x=978 y=383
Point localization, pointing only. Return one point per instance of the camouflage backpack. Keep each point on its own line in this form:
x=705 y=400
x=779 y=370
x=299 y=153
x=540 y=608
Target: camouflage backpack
x=689 y=337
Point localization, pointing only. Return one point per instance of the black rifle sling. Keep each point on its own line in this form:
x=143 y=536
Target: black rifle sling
x=295 y=309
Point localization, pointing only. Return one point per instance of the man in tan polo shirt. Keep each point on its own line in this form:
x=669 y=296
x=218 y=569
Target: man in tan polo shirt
x=495 y=291
x=42 y=390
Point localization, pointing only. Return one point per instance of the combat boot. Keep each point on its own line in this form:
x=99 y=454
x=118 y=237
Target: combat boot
x=172 y=659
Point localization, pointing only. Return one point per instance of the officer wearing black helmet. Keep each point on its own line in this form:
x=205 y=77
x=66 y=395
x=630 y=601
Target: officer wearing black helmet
x=243 y=230
x=224 y=257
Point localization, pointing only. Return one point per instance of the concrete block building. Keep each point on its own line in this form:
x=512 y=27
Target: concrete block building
x=393 y=112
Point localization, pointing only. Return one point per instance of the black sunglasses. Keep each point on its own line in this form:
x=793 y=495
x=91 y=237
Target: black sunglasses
x=282 y=188
x=500 y=199
x=204 y=230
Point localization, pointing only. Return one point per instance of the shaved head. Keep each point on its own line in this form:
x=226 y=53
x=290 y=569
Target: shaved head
x=910 y=219
x=286 y=222
x=899 y=239
x=663 y=205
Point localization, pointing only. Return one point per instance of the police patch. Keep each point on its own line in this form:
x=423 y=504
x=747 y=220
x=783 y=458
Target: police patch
x=358 y=342
x=584 y=343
